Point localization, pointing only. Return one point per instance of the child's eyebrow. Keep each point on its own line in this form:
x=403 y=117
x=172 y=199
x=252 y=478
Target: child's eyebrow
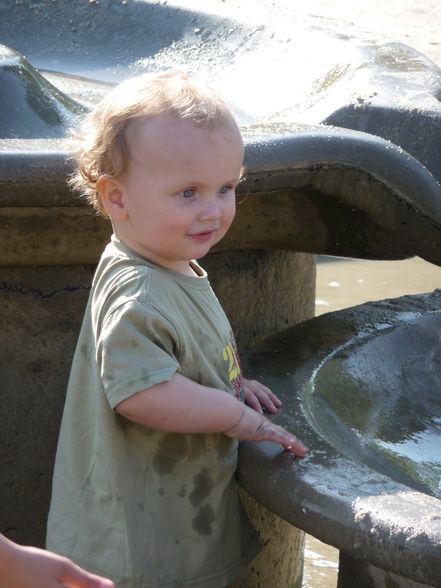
x=235 y=181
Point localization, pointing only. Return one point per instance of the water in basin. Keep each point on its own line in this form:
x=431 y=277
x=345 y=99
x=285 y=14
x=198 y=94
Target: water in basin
x=378 y=400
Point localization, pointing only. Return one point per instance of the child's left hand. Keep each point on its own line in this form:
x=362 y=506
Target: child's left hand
x=260 y=397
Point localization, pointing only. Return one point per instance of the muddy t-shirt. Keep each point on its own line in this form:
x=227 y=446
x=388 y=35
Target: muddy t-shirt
x=145 y=507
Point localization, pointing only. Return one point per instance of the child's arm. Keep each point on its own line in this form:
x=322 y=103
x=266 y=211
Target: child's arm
x=29 y=567
x=183 y=406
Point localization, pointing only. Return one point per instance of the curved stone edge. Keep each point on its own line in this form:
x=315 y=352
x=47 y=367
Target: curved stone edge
x=414 y=127
x=341 y=502
x=362 y=525
x=366 y=526
x=399 y=171
x=29 y=162
x=32 y=107
x=321 y=190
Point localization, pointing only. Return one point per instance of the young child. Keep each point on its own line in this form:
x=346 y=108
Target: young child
x=144 y=487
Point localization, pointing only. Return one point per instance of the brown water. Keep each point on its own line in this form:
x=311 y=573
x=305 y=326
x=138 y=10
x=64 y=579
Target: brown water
x=321 y=564
x=340 y=284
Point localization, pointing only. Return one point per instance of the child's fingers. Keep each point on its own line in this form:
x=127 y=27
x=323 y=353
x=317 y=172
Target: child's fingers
x=287 y=440
x=268 y=392
x=296 y=447
x=253 y=426
x=252 y=401
x=264 y=395
x=267 y=430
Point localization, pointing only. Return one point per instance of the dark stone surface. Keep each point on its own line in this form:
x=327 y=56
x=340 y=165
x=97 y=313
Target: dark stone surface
x=322 y=190
x=32 y=108
x=371 y=192
x=354 y=389
x=41 y=314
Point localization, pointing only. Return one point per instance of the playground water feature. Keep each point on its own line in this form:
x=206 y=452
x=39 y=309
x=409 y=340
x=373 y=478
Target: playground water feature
x=340 y=284
x=333 y=284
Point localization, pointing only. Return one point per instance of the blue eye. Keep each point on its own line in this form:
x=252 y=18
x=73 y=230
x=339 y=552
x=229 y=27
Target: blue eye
x=187 y=193
x=224 y=189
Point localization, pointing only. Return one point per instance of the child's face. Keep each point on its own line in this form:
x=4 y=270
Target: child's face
x=177 y=198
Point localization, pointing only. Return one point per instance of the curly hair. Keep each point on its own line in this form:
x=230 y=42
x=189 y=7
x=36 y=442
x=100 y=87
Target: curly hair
x=99 y=145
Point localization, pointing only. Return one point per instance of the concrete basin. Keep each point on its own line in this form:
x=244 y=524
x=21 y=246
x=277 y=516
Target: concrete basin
x=351 y=165
x=362 y=388
x=342 y=156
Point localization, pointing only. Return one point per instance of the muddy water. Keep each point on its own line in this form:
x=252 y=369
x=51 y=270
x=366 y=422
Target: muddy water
x=342 y=283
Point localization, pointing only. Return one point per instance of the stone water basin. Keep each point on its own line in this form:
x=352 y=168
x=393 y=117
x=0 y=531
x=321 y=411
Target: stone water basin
x=362 y=388
x=349 y=165
x=378 y=400
x=345 y=165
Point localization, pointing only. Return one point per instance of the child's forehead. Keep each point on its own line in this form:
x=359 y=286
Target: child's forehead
x=160 y=141
x=179 y=151
x=169 y=125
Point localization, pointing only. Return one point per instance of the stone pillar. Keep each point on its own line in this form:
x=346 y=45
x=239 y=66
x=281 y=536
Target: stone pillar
x=41 y=310
x=262 y=293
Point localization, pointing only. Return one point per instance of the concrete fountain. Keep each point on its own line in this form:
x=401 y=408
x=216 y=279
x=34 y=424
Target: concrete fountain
x=338 y=162
x=361 y=387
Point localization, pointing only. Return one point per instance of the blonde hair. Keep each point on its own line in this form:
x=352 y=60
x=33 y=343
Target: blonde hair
x=100 y=146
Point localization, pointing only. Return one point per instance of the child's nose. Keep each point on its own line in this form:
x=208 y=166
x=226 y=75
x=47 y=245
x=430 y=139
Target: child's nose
x=211 y=209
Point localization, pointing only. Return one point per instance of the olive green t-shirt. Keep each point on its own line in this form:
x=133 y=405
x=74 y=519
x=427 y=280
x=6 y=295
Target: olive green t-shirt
x=145 y=507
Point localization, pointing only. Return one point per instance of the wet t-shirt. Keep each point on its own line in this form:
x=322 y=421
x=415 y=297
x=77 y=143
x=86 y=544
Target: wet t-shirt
x=145 y=507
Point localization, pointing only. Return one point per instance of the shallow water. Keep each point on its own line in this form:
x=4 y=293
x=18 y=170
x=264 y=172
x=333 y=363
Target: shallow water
x=342 y=283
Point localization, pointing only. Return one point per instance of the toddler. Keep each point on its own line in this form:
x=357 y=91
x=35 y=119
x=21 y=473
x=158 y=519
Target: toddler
x=144 y=489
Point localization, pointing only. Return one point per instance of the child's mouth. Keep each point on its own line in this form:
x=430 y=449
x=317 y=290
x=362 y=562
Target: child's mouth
x=202 y=236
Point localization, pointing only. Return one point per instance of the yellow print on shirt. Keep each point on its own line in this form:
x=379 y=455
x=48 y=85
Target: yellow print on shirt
x=229 y=354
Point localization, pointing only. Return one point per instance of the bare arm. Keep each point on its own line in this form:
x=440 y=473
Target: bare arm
x=29 y=567
x=183 y=406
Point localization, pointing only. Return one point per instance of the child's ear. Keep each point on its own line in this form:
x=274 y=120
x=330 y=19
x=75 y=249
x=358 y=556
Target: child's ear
x=111 y=192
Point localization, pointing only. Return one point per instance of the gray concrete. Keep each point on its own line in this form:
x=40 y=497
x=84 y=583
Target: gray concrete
x=357 y=384
x=41 y=311
x=326 y=191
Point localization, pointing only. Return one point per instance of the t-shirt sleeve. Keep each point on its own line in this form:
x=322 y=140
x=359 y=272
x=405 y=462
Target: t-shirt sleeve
x=136 y=349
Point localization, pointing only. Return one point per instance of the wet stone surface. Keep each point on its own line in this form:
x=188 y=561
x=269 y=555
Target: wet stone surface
x=368 y=483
